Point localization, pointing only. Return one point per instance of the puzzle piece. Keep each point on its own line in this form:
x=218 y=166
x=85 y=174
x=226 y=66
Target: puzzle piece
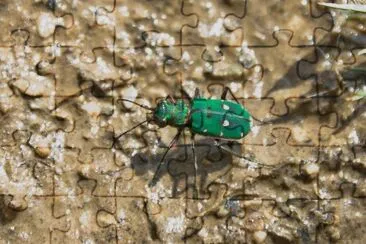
x=199 y=208
x=334 y=162
x=20 y=226
x=84 y=30
x=304 y=121
x=9 y=129
x=105 y=169
x=339 y=215
x=258 y=29
x=142 y=23
x=138 y=77
x=127 y=212
x=283 y=144
x=349 y=130
x=43 y=162
x=209 y=30
x=23 y=113
x=216 y=218
x=136 y=177
x=79 y=111
x=67 y=170
x=19 y=72
x=322 y=68
x=171 y=225
x=216 y=229
x=294 y=216
x=339 y=165
x=80 y=212
x=197 y=68
x=295 y=184
x=35 y=18
x=20 y=163
x=228 y=223
x=68 y=60
x=345 y=36
x=280 y=79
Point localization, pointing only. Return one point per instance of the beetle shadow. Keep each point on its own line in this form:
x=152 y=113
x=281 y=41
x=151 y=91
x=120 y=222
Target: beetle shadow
x=213 y=163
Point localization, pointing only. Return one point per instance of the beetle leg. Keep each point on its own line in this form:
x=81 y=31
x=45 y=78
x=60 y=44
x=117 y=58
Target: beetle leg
x=195 y=166
x=161 y=162
x=185 y=94
x=169 y=97
x=224 y=94
x=197 y=93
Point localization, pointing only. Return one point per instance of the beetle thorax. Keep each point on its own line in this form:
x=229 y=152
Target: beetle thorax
x=173 y=114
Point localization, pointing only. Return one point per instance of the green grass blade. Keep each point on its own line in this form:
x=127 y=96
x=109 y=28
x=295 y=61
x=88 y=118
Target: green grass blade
x=361 y=70
x=349 y=7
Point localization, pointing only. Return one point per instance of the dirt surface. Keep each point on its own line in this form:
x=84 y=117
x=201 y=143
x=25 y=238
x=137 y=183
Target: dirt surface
x=65 y=65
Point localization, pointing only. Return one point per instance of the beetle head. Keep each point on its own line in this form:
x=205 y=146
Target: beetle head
x=162 y=114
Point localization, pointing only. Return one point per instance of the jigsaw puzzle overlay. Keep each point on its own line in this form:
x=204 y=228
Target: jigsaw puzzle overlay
x=299 y=176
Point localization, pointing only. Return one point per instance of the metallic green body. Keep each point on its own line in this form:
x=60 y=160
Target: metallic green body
x=174 y=114
x=219 y=118
x=209 y=117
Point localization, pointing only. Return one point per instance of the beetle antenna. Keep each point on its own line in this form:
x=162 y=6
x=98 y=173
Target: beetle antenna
x=138 y=104
x=131 y=129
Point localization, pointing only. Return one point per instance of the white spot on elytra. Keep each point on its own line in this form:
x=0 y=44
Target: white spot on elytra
x=224 y=106
x=226 y=123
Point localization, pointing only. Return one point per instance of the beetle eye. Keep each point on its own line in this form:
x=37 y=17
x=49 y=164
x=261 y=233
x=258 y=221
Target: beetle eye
x=161 y=123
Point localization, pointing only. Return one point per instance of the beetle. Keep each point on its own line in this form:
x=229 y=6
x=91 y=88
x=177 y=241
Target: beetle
x=217 y=118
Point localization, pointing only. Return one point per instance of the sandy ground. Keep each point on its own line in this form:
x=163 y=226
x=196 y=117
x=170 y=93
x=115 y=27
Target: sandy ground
x=298 y=177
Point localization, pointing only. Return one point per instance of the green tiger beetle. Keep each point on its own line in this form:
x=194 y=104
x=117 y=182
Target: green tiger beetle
x=217 y=118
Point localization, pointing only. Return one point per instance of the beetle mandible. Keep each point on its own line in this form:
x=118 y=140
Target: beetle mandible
x=217 y=118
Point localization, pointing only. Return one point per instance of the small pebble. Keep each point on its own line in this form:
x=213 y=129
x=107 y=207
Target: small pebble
x=311 y=169
x=42 y=152
x=18 y=204
x=105 y=219
x=254 y=222
x=92 y=108
x=46 y=24
x=259 y=236
x=129 y=93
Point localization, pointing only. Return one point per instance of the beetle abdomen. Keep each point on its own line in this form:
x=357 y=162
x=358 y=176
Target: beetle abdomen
x=219 y=118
